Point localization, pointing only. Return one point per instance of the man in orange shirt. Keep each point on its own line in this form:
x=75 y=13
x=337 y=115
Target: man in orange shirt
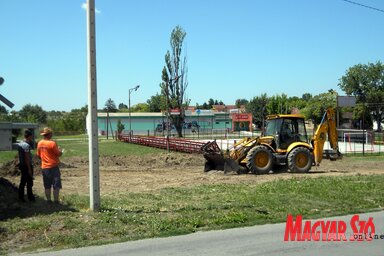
x=49 y=153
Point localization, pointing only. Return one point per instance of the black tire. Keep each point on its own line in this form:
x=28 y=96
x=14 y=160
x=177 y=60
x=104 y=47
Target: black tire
x=259 y=160
x=300 y=160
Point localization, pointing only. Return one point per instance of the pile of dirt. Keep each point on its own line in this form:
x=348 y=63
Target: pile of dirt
x=12 y=167
x=151 y=161
x=8 y=196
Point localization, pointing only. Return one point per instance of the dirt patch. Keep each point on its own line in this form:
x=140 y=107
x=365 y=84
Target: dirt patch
x=123 y=174
x=8 y=194
x=10 y=168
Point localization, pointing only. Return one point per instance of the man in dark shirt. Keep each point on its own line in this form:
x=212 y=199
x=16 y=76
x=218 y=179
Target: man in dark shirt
x=26 y=167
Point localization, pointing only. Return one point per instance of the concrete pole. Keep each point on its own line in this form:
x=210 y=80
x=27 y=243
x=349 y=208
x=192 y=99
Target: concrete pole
x=129 y=110
x=94 y=179
x=129 y=106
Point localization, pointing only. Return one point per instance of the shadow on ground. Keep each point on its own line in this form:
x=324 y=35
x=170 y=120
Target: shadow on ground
x=11 y=207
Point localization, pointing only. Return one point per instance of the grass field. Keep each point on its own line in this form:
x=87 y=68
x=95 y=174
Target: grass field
x=79 y=147
x=175 y=211
x=180 y=210
x=106 y=148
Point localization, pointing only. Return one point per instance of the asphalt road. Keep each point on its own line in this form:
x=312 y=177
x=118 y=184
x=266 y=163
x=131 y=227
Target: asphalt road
x=256 y=240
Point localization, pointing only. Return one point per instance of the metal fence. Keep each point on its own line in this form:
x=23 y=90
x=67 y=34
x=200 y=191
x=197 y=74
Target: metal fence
x=196 y=134
x=361 y=142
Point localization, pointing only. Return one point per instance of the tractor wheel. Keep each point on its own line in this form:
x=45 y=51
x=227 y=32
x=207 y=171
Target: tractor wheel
x=259 y=160
x=300 y=160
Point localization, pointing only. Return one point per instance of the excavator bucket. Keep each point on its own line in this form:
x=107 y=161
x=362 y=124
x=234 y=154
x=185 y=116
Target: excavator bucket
x=231 y=165
x=213 y=156
x=215 y=160
x=220 y=163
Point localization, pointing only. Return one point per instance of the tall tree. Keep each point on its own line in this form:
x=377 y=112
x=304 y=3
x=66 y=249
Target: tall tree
x=33 y=114
x=240 y=102
x=306 y=96
x=278 y=104
x=78 y=117
x=257 y=107
x=110 y=106
x=120 y=126
x=122 y=106
x=3 y=110
x=140 y=107
x=73 y=122
x=4 y=114
x=295 y=104
x=211 y=102
x=174 y=77
x=317 y=106
x=156 y=103
x=366 y=83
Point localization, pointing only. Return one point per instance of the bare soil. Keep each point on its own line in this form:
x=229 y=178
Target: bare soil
x=122 y=174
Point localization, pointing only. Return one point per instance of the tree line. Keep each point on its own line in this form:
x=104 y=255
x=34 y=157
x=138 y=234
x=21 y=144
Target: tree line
x=74 y=121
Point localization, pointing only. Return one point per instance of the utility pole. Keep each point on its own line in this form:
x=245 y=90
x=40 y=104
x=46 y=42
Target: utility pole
x=129 y=107
x=94 y=179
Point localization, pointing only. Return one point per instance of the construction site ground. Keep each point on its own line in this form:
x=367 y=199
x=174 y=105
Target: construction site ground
x=122 y=174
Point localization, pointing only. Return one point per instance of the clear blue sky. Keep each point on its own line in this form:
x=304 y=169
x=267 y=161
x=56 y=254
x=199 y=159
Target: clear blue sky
x=235 y=48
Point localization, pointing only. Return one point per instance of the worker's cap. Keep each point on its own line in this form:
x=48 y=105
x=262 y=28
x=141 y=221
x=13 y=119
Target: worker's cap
x=46 y=131
x=27 y=133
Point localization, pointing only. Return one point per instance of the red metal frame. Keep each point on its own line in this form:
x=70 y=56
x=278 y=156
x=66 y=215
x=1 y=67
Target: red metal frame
x=175 y=144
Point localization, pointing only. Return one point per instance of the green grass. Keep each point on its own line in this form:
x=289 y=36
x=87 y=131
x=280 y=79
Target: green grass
x=66 y=137
x=79 y=147
x=6 y=156
x=174 y=211
x=106 y=148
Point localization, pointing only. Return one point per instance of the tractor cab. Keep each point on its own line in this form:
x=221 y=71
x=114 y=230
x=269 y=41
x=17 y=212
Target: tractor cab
x=286 y=129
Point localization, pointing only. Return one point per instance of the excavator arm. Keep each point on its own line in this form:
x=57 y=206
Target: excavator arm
x=327 y=128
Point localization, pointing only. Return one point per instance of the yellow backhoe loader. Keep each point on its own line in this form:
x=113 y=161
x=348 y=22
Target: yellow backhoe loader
x=284 y=143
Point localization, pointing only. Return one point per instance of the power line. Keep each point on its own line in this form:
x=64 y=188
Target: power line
x=362 y=5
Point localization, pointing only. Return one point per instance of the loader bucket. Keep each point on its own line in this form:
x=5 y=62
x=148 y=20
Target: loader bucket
x=213 y=156
x=220 y=163
x=215 y=160
x=231 y=165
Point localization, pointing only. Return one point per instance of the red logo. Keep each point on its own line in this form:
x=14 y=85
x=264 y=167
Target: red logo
x=330 y=230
